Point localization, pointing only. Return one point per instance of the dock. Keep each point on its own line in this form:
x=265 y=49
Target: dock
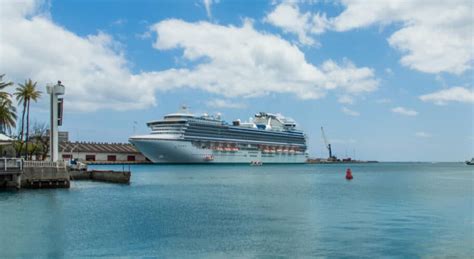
x=338 y=161
x=117 y=162
x=45 y=174
x=10 y=173
x=17 y=173
x=121 y=177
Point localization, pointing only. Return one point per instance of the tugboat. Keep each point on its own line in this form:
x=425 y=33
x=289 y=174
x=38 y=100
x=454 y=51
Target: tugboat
x=470 y=162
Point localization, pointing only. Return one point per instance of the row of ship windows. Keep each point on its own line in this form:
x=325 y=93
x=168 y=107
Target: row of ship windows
x=213 y=133
x=233 y=135
x=232 y=155
x=246 y=130
x=262 y=133
x=167 y=132
x=255 y=138
x=214 y=129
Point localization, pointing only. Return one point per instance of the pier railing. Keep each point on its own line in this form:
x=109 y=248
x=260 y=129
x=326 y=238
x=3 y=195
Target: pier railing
x=8 y=164
x=44 y=164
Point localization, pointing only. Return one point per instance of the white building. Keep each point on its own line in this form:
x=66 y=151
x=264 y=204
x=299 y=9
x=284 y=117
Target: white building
x=100 y=152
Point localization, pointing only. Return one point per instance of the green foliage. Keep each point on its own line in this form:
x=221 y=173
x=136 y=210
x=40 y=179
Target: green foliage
x=25 y=93
x=7 y=110
x=7 y=115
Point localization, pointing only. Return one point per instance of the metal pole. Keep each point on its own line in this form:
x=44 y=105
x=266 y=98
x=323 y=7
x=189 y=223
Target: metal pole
x=51 y=125
x=55 y=127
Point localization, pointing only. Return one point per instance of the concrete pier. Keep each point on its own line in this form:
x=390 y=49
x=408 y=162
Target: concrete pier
x=10 y=179
x=45 y=174
x=11 y=170
x=17 y=173
x=102 y=176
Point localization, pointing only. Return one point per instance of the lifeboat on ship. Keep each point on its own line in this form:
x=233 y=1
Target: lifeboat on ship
x=209 y=158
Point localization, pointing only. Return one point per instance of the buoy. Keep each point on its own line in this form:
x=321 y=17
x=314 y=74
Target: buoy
x=349 y=174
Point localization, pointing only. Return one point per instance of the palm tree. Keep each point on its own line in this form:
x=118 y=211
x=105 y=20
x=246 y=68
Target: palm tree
x=20 y=95
x=24 y=94
x=7 y=115
x=7 y=110
x=4 y=84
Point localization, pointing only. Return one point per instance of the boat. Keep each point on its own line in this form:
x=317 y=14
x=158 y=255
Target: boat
x=183 y=137
x=256 y=163
x=470 y=162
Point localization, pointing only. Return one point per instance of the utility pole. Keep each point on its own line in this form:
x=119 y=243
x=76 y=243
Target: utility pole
x=56 y=117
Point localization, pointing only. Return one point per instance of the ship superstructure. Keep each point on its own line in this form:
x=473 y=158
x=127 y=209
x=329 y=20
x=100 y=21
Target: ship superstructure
x=186 y=138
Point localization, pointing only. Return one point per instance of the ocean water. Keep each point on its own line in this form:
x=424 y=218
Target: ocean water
x=201 y=211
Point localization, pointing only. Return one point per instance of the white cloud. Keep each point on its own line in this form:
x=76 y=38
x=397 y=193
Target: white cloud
x=240 y=61
x=434 y=36
x=93 y=68
x=454 y=94
x=404 y=111
x=208 y=4
x=350 y=112
x=346 y=99
x=422 y=134
x=228 y=60
x=119 y=22
x=388 y=71
x=288 y=17
x=221 y=103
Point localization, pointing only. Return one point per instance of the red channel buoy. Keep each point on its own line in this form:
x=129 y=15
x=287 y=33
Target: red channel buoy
x=349 y=174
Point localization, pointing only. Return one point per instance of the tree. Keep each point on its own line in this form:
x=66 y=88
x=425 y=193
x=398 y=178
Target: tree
x=24 y=94
x=7 y=115
x=40 y=138
x=7 y=110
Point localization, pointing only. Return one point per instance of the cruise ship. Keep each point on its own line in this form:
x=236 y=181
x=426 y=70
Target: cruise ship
x=183 y=137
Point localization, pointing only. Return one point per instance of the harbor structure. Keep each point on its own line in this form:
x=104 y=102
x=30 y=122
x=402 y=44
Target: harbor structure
x=94 y=152
x=183 y=137
x=18 y=173
x=328 y=146
x=56 y=117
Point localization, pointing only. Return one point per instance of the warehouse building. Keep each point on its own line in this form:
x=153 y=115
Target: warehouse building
x=100 y=152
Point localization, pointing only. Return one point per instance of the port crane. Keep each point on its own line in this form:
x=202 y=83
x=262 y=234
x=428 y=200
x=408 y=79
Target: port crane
x=328 y=145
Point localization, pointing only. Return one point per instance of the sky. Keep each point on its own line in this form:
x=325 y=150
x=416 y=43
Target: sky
x=389 y=80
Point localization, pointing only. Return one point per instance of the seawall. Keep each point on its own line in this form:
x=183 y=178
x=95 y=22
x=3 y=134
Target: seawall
x=45 y=177
x=102 y=176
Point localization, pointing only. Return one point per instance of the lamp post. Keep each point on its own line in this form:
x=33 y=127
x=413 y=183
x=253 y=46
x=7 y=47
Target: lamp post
x=56 y=114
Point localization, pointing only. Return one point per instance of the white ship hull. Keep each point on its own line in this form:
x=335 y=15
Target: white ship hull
x=183 y=152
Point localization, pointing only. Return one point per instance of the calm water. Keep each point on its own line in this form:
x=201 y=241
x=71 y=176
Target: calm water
x=389 y=209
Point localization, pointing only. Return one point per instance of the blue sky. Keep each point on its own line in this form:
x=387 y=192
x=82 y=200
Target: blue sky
x=388 y=81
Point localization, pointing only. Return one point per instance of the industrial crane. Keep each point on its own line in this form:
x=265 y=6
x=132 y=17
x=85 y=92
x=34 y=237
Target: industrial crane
x=328 y=145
